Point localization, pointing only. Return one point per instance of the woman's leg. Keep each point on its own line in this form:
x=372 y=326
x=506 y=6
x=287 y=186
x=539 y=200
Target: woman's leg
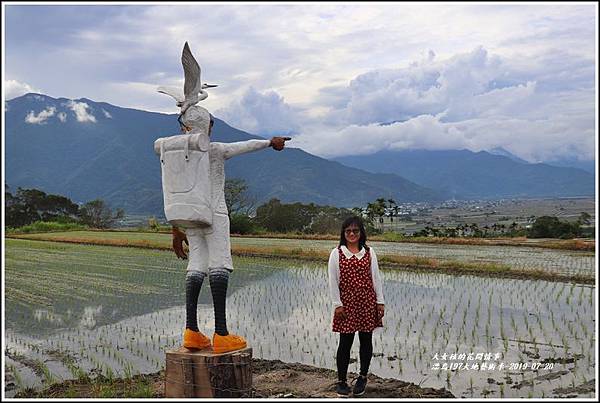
x=343 y=355
x=366 y=351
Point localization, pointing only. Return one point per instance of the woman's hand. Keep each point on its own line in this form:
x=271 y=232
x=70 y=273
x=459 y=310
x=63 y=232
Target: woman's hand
x=380 y=310
x=178 y=239
x=340 y=313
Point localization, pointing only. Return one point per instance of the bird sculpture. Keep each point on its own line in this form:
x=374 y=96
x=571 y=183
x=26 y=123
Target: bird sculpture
x=193 y=89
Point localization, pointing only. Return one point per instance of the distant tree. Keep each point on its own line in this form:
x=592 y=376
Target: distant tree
x=584 y=218
x=30 y=205
x=357 y=211
x=237 y=198
x=241 y=224
x=390 y=205
x=376 y=209
x=329 y=220
x=380 y=205
x=297 y=217
x=97 y=214
x=278 y=217
x=552 y=227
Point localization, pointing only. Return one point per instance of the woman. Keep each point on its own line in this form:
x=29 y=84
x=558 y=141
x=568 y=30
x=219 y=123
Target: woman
x=356 y=292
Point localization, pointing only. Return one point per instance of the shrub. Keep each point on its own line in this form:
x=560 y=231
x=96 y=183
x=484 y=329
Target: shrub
x=241 y=224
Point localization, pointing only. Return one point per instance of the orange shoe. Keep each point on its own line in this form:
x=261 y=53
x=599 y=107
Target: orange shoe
x=195 y=340
x=231 y=342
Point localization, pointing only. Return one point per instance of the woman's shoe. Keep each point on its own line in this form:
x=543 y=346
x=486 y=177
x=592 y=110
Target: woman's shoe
x=342 y=389
x=231 y=342
x=359 y=386
x=195 y=340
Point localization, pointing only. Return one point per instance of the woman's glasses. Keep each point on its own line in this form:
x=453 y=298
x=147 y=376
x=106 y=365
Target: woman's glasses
x=355 y=231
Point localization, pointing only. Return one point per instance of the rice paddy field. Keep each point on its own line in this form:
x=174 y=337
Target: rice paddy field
x=565 y=262
x=75 y=311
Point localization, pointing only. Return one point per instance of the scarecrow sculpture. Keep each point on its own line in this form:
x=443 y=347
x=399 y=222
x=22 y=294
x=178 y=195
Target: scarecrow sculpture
x=193 y=179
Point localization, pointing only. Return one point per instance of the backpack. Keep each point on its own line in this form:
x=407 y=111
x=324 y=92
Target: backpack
x=186 y=179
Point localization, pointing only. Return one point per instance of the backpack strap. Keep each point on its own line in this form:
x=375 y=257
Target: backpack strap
x=186 y=148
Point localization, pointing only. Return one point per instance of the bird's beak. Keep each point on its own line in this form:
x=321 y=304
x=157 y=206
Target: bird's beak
x=210 y=85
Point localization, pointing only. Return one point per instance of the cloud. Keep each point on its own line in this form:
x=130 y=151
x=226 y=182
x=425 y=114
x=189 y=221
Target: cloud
x=264 y=114
x=62 y=117
x=107 y=114
x=41 y=117
x=473 y=100
x=533 y=141
x=462 y=65
x=81 y=113
x=14 y=88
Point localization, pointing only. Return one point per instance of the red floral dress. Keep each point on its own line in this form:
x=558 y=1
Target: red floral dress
x=357 y=295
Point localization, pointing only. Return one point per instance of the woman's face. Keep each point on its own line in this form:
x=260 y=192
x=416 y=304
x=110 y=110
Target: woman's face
x=352 y=233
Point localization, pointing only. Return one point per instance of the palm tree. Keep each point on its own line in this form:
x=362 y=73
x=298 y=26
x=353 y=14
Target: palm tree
x=358 y=211
x=379 y=210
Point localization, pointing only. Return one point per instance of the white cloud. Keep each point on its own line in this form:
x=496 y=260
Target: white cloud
x=107 y=114
x=14 y=88
x=264 y=114
x=62 y=117
x=473 y=100
x=81 y=113
x=41 y=117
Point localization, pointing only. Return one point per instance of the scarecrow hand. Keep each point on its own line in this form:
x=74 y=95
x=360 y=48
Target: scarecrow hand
x=178 y=239
x=279 y=142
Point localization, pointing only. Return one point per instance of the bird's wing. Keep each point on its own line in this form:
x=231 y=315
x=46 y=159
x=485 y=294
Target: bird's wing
x=172 y=91
x=191 y=72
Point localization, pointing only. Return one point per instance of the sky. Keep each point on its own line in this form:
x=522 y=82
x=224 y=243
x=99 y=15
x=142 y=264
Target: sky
x=339 y=78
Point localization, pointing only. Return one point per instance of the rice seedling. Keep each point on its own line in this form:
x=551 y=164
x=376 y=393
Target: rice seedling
x=48 y=377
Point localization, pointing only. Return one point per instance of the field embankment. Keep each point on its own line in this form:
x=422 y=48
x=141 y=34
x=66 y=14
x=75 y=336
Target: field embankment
x=162 y=241
x=561 y=244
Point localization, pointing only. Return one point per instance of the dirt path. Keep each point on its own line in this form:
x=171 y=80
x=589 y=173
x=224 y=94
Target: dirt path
x=270 y=379
x=274 y=378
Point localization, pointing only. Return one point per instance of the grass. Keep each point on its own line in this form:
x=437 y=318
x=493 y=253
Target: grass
x=139 y=386
x=46 y=226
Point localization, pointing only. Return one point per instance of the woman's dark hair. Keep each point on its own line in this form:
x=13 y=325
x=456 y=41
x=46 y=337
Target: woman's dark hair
x=362 y=241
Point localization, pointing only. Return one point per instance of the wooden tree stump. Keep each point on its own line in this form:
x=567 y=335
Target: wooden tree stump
x=202 y=373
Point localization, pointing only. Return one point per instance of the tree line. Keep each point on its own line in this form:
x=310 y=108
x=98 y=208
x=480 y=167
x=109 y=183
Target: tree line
x=28 y=206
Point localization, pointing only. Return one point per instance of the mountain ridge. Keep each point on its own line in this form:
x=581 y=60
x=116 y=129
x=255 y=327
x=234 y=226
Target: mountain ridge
x=85 y=149
x=467 y=174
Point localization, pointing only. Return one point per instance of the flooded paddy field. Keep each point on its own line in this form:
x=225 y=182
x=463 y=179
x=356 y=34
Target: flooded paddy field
x=79 y=310
x=558 y=261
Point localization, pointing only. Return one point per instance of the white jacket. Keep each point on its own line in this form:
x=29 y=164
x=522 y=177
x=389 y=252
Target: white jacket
x=334 y=274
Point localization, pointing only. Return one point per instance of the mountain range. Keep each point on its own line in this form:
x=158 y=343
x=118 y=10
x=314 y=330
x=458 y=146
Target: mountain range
x=85 y=150
x=477 y=175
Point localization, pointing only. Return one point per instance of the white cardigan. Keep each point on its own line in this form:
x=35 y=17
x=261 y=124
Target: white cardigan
x=334 y=274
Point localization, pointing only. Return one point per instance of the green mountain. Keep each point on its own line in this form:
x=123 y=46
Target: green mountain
x=472 y=175
x=85 y=149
